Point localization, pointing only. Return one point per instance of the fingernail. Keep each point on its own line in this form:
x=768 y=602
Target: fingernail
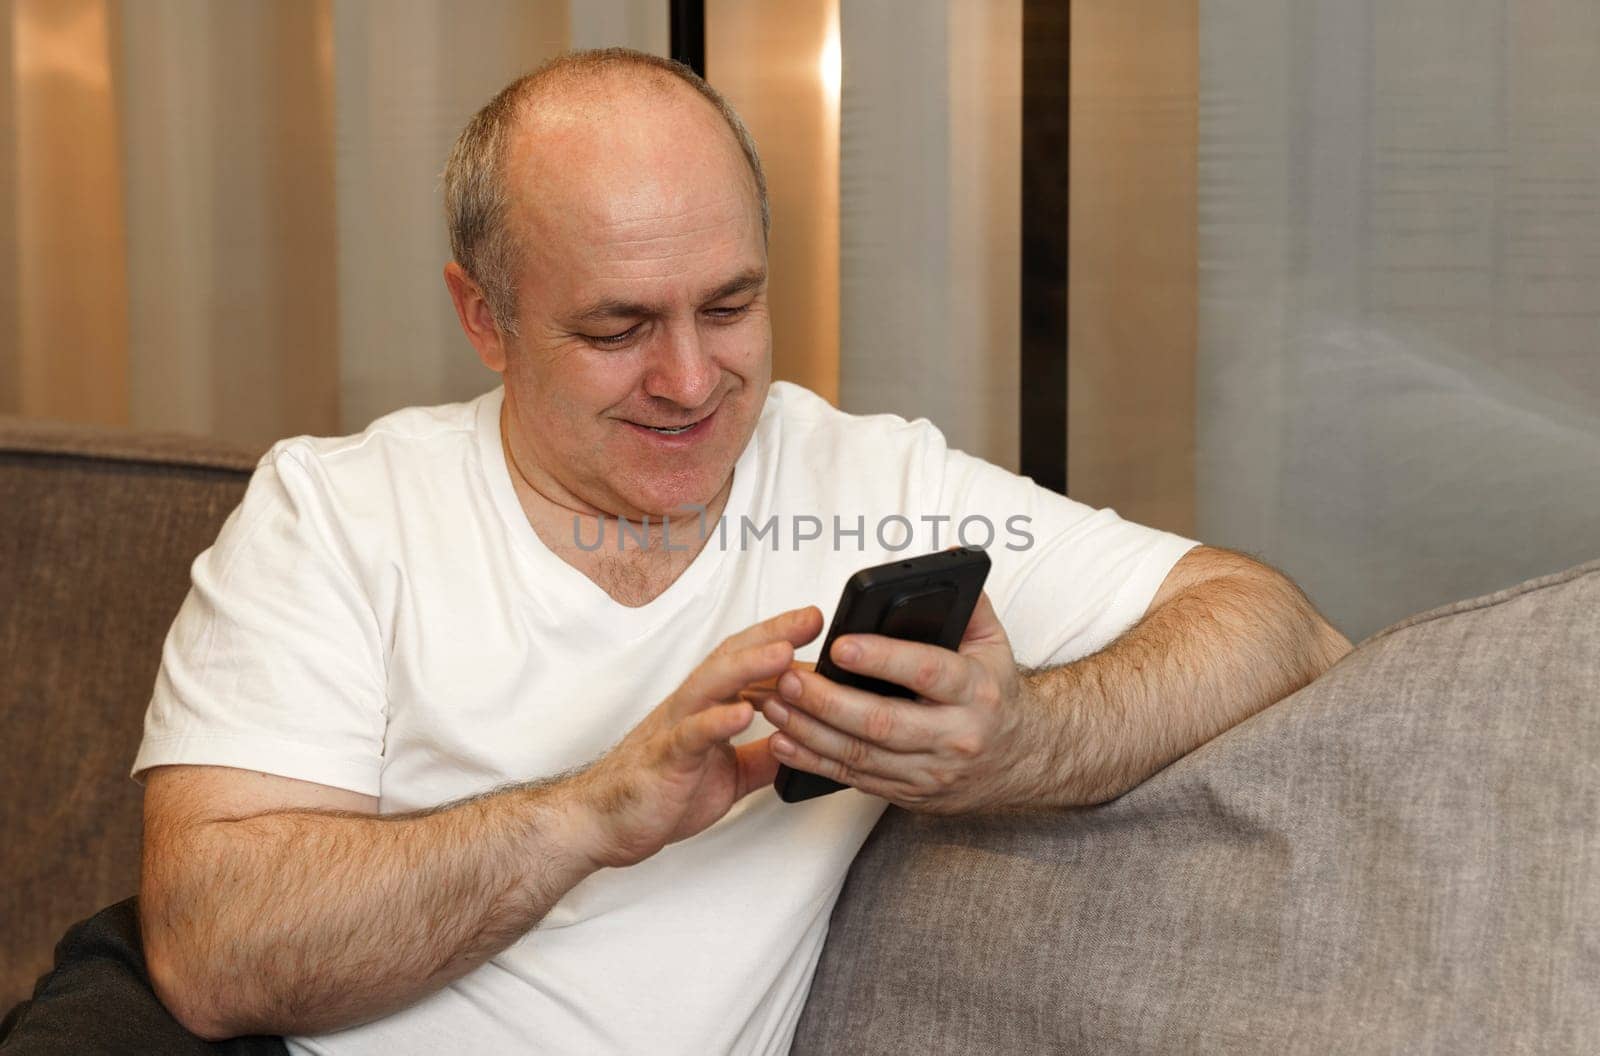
x=781 y=744
x=846 y=651
x=789 y=685
x=776 y=713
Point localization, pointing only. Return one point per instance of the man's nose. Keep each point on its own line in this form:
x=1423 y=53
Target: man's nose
x=681 y=370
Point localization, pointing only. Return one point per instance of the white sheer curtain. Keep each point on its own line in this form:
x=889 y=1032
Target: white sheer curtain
x=930 y=172
x=407 y=77
x=1399 y=355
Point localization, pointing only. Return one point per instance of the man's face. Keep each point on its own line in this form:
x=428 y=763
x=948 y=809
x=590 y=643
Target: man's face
x=642 y=305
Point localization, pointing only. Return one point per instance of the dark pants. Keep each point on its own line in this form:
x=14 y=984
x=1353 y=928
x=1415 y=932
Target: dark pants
x=97 y=999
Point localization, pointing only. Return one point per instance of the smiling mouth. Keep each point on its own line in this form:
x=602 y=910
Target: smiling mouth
x=674 y=430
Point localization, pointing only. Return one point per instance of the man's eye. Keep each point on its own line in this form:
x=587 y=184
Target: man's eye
x=727 y=313
x=612 y=340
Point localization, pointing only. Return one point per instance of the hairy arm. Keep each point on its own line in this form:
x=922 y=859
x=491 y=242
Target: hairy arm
x=318 y=913
x=1224 y=638
x=284 y=907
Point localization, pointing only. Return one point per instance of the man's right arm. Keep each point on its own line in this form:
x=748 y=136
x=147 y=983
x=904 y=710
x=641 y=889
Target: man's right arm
x=276 y=906
x=273 y=906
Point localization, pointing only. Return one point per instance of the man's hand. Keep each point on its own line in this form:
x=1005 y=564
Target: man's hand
x=675 y=773
x=954 y=749
x=1225 y=637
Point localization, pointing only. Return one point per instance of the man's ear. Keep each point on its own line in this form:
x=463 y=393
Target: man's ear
x=472 y=310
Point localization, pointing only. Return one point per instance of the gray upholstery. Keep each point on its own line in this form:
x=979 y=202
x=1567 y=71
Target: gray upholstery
x=1402 y=857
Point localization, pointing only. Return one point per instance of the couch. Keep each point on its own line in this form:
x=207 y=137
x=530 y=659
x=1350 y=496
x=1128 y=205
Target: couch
x=1402 y=857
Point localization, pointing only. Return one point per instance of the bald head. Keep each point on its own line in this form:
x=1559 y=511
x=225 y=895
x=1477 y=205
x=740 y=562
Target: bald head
x=580 y=123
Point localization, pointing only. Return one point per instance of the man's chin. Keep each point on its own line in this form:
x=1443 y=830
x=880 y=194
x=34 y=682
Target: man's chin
x=685 y=499
x=676 y=507
x=677 y=483
x=678 y=493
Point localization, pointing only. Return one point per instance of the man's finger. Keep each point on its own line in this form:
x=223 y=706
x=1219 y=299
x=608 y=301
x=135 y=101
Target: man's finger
x=723 y=675
x=758 y=696
x=800 y=757
x=758 y=767
x=859 y=755
x=939 y=674
x=896 y=724
x=768 y=687
x=693 y=735
x=796 y=626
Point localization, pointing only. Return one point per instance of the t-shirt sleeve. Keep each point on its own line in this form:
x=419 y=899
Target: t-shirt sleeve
x=275 y=661
x=1067 y=579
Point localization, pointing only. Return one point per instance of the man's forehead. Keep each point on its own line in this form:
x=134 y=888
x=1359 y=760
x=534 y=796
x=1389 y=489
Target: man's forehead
x=644 y=213
x=631 y=194
x=654 y=225
x=616 y=126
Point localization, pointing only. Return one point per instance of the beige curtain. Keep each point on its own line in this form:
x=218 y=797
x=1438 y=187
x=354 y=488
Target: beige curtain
x=226 y=165
x=1132 y=246
x=222 y=217
x=409 y=76
x=63 y=317
x=772 y=62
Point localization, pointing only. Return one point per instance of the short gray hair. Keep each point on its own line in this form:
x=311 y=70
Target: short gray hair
x=475 y=199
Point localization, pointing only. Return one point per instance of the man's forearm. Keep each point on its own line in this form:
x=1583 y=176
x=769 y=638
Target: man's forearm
x=1202 y=662
x=301 y=922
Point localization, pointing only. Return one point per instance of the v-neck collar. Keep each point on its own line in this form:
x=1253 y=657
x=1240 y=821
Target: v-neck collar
x=573 y=595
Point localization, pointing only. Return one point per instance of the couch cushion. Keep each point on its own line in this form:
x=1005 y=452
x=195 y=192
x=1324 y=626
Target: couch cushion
x=97 y=531
x=1403 y=856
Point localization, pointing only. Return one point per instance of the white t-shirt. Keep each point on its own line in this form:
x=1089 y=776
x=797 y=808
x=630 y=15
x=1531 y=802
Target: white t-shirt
x=378 y=615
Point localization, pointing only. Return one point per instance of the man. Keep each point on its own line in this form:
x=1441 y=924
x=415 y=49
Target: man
x=387 y=806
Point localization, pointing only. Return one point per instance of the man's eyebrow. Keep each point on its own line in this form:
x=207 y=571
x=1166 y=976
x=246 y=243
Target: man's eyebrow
x=744 y=283
x=612 y=308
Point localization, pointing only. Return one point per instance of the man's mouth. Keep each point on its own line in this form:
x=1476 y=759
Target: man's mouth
x=686 y=430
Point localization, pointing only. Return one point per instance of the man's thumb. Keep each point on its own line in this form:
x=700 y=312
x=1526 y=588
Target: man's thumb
x=758 y=767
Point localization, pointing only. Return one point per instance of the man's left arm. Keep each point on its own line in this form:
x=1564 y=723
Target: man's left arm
x=1224 y=637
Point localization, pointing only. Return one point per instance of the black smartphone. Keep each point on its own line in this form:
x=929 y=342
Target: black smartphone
x=920 y=599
